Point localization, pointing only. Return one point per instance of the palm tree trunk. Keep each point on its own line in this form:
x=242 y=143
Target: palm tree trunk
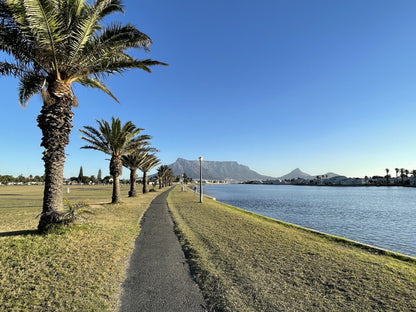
x=133 y=177
x=116 y=190
x=116 y=168
x=145 y=188
x=55 y=121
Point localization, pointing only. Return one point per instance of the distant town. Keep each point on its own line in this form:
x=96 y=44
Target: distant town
x=403 y=178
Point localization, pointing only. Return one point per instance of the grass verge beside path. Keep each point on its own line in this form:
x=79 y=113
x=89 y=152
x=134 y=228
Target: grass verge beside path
x=77 y=269
x=245 y=262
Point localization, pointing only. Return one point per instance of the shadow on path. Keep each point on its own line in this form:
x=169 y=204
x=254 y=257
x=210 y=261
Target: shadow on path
x=158 y=277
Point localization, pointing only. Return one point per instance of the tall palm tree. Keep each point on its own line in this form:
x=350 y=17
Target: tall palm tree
x=54 y=43
x=160 y=174
x=151 y=162
x=134 y=161
x=114 y=140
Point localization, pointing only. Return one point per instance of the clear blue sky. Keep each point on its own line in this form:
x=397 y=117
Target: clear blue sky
x=275 y=85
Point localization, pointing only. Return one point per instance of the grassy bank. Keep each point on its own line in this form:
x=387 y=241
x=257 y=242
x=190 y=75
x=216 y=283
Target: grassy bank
x=245 y=262
x=79 y=269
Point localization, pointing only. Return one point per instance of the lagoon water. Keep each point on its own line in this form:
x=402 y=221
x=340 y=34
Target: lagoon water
x=380 y=216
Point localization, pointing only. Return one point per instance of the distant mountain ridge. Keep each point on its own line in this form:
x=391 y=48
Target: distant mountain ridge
x=297 y=173
x=231 y=170
x=216 y=170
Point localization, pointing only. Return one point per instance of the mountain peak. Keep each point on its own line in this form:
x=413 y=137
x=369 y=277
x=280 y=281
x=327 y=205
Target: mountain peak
x=296 y=173
x=296 y=170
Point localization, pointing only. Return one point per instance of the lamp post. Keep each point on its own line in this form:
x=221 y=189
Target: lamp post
x=200 y=179
x=181 y=180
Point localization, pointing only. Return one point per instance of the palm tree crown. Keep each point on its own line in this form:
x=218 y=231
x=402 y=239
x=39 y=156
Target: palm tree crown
x=165 y=175
x=134 y=160
x=150 y=162
x=57 y=42
x=115 y=140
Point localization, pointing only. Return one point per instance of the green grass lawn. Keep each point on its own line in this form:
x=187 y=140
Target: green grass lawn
x=78 y=269
x=245 y=262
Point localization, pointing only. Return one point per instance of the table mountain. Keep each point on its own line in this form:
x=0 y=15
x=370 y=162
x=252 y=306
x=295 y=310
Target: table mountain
x=216 y=170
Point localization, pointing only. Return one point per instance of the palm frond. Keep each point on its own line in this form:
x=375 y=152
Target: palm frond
x=14 y=41
x=111 y=6
x=84 y=28
x=119 y=37
x=151 y=162
x=8 y=69
x=121 y=64
x=5 y=13
x=30 y=84
x=95 y=83
x=46 y=26
x=96 y=139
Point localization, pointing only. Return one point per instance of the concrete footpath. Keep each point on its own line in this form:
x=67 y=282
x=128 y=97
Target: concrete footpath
x=158 y=277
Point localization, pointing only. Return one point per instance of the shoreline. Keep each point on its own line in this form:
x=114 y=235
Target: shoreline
x=345 y=228
x=332 y=185
x=340 y=239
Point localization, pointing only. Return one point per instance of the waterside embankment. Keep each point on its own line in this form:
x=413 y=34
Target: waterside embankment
x=246 y=262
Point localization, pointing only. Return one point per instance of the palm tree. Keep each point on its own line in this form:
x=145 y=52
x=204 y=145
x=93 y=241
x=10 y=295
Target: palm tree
x=165 y=175
x=402 y=174
x=160 y=175
x=114 y=140
x=397 y=171
x=133 y=162
x=150 y=162
x=54 y=43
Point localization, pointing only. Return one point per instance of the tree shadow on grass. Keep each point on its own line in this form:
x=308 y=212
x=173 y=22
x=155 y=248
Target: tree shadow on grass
x=17 y=233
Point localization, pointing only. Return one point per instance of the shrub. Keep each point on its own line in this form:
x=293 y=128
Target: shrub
x=72 y=213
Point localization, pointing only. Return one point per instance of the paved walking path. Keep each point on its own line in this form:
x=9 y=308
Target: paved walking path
x=158 y=278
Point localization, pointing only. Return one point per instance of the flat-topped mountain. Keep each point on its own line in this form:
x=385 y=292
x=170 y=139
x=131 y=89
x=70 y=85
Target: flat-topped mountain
x=216 y=170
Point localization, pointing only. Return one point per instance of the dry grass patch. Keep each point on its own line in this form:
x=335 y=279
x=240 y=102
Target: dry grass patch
x=245 y=262
x=75 y=269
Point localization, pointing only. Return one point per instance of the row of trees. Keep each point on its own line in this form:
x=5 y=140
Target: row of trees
x=165 y=176
x=53 y=44
x=4 y=179
x=126 y=147
x=404 y=173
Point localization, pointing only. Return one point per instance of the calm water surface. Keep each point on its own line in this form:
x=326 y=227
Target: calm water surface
x=379 y=216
